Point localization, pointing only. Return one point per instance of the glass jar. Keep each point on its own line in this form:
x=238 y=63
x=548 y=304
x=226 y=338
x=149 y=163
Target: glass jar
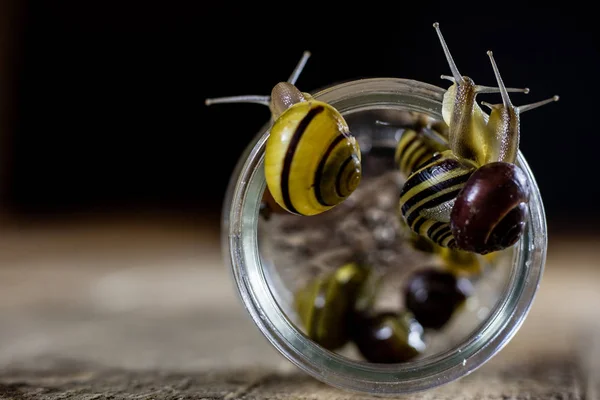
x=266 y=298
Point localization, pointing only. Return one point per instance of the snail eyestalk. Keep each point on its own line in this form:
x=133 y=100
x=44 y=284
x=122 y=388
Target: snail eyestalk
x=305 y=132
x=489 y=105
x=264 y=100
x=299 y=67
x=457 y=76
x=503 y=91
x=490 y=89
x=527 y=107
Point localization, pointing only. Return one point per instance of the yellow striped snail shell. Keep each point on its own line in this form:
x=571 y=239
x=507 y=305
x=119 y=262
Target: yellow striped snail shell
x=416 y=146
x=312 y=162
x=428 y=195
x=471 y=197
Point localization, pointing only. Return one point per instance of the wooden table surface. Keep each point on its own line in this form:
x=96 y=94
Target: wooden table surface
x=148 y=311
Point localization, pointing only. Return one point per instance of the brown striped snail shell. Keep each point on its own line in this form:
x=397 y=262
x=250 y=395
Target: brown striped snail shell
x=428 y=195
x=490 y=212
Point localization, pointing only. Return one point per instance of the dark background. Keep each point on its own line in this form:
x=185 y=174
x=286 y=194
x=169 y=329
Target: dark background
x=103 y=102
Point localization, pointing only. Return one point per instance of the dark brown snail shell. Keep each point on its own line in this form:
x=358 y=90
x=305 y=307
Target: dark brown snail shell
x=433 y=296
x=388 y=337
x=489 y=213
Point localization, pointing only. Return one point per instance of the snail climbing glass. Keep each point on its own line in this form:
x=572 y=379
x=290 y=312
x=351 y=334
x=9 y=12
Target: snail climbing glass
x=358 y=255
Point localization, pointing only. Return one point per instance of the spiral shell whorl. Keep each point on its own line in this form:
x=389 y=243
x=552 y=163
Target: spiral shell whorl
x=338 y=174
x=312 y=163
x=411 y=152
x=427 y=195
x=490 y=212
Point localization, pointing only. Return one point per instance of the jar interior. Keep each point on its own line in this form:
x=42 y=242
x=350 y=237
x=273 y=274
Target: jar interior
x=296 y=251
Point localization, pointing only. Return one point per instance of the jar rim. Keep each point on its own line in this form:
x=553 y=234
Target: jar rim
x=240 y=251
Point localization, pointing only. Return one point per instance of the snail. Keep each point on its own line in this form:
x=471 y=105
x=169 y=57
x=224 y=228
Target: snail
x=326 y=304
x=388 y=337
x=428 y=195
x=467 y=130
x=416 y=146
x=462 y=263
x=433 y=296
x=471 y=197
x=312 y=162
x=421 y=137
x=490 y=212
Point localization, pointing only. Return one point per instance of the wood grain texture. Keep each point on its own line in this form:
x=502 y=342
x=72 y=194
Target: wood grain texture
x=544 y=379
x=150 y=312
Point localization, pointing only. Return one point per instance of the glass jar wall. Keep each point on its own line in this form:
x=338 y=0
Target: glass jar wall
x=285 y=264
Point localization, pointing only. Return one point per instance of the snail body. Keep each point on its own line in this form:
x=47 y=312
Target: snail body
x=445 y=200
x=489 y=213
x=467 y=134
x=312 y=162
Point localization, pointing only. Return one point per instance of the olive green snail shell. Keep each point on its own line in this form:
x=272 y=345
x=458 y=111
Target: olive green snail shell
x=326 y=304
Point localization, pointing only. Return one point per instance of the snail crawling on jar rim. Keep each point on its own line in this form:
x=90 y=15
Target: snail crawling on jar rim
x=471 y=197
x=312 y=162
